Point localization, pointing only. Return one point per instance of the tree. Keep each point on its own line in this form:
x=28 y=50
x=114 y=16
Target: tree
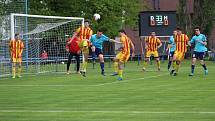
x=111 y=11
x=203 y=15
x=115 y=14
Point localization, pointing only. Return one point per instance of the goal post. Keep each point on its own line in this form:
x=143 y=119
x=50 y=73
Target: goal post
x=40 y=34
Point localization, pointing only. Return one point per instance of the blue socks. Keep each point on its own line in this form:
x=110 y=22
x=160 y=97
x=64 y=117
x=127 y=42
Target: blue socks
x=192 y=68
x=102 y=65
x=204 y=66
x=93 y=56
x=169 y=64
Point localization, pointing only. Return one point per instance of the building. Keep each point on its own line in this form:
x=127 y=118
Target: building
x=166 y=5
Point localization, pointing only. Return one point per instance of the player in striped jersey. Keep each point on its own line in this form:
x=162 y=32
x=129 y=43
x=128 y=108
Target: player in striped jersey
x=181 y=41
x=16 y=48
x=84 y=33
x=152 y=43
x=123 y=55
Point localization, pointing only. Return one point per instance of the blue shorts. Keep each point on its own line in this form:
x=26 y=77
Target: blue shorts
x=171 y=54
x=198 y=55
x=98 y=51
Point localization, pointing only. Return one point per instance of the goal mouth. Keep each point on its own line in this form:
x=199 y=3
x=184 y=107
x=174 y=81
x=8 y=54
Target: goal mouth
x=40 y=34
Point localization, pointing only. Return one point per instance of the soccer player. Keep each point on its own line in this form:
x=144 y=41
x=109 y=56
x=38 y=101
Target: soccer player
x=73 y=48
x=84 y=45
x=97 y=46
x=199 y=40
x=16 y=48
x=181 y=41
x=171 y=48
x=152 y=44
x=84 y=33
x=123 y=55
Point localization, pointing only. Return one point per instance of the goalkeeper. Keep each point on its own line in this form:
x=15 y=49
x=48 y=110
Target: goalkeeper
x=74 y=50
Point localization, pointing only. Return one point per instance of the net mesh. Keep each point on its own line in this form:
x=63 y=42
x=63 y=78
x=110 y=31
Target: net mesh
x=44 y=40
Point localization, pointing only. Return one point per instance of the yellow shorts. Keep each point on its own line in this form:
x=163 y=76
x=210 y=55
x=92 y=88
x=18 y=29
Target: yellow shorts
x=16 y=60
x=179 y=55
x=123 y=57
x=150 y=53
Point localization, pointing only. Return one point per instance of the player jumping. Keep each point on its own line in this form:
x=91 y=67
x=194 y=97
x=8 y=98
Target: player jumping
x=84 y=33
x=97 y=46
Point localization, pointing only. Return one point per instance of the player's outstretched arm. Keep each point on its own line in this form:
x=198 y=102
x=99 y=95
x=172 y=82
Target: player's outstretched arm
x=73 y=37
x=112 y=40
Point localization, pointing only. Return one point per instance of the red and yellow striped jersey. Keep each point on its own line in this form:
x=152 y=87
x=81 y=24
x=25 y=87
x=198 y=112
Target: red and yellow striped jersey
x=152 y=43
x=16 y=48
x=84 y=33
x=181 y=42
x=126 y=44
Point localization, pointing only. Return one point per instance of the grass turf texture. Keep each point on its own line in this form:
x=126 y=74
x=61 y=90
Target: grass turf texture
x=141 y=96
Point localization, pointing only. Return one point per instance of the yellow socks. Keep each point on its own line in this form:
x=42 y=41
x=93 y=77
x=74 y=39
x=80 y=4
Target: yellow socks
x=120 y=73
x=174 y=65
x=19 y=71
x=84 y=66
x=177 y=67
x=158 y=64
x=13 y=72
x=115 y=65
x=145 y=63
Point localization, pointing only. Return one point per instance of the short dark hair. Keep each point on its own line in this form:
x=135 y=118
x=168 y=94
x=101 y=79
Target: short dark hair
x=16 y=34
x=197 y=27
x=152 y=31
x=87 y=20
x=101 y=29
x=178 y=29
x=122 y=31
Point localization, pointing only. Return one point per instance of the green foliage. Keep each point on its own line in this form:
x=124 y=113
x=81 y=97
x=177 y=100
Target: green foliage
x=112 y=17
x=203 y=15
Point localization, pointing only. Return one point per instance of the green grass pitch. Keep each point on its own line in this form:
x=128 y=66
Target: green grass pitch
x=141 y=96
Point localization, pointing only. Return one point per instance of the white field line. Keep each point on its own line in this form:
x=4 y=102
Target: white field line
x=149 y=77
x=130 y=112
x=164 y=85
x=38 y=85
x=150 y=70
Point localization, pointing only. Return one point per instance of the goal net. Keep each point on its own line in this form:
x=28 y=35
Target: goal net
x=44 y=38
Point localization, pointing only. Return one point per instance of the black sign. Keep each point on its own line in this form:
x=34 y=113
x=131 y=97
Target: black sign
x=162 y=22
